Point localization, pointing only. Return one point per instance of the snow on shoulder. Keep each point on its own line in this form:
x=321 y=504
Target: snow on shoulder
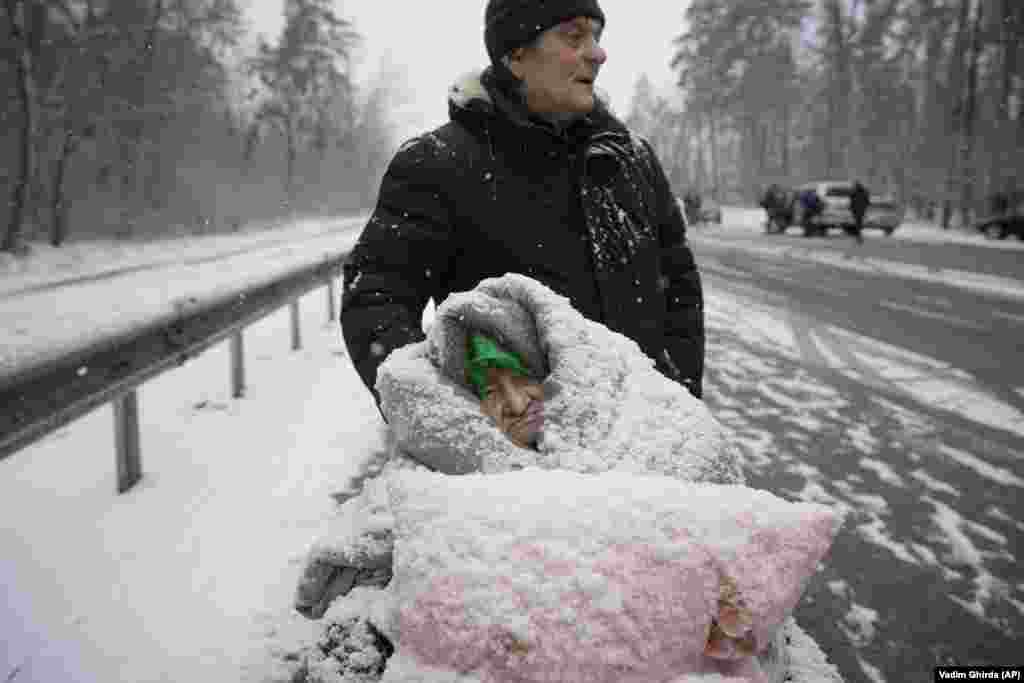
x=545 y=575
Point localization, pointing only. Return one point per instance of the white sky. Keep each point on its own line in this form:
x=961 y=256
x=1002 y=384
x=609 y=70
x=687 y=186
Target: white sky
x=190 y=575
x=435 y=42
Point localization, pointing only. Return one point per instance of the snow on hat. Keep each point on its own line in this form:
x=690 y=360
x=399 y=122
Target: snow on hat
x=482 y=353
x=509 y=24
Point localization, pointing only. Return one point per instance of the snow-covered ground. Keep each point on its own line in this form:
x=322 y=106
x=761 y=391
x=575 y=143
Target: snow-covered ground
x=186 y=576
x=753 y=350
x=166 y=276
x=170 y=581
x=740 y=221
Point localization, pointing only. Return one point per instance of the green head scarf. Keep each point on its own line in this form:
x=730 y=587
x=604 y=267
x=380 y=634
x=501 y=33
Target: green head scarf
x=483 y=353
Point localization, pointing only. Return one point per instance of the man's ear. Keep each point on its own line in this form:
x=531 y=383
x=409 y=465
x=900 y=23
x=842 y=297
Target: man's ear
x=514 y=62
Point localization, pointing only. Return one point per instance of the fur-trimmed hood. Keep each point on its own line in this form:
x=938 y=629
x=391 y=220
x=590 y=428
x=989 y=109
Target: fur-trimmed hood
x=606 y=407
x=468 y=89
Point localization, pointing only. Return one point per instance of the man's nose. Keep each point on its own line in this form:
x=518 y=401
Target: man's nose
x=597 y=54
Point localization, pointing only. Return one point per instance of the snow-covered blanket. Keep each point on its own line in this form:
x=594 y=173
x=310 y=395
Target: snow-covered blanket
x=542 y=575
x=606 y=407
x=607 y=410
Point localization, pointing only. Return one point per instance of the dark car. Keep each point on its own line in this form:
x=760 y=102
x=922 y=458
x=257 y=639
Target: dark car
x=1001 y=227
x=1005 y=217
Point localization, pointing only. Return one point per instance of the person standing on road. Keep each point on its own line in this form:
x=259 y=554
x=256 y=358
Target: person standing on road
x=860 y=200
x=773 y=204
x=692 y=203
x=532 y=175
x=811 y=205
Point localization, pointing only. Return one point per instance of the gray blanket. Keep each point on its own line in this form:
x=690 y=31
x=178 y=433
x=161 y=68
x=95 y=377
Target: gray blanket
x=606 y=406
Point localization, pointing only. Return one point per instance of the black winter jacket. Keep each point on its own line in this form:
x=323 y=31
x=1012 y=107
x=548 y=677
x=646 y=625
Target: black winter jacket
x=586 y=210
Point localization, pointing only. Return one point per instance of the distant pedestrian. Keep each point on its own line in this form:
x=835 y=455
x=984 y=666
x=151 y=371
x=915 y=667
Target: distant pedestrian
x=811 y=206
x=774 y=204
x=860 y=199
x=692 y=203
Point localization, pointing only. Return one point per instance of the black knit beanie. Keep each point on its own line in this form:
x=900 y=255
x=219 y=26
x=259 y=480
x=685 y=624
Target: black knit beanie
x=509 y=24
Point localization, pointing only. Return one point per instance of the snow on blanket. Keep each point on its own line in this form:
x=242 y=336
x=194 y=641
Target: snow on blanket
x=605 y=405
x=541 y=575
x=607 y=410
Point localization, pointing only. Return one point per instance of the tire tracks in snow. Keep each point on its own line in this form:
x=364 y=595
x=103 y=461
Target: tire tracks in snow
x=829 y=416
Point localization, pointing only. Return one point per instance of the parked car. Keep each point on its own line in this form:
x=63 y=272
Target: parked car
x=700 y=209
x=1002 y=226
x=710 y=211
x=884 y=213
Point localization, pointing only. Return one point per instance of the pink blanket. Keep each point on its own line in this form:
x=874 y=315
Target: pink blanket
x=600 y=578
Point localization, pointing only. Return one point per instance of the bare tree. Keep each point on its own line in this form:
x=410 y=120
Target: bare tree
x=737 y=67
x=1006 y=142
x=966 y=146
x=22 y=28
x=664 y=125
x=956 y=110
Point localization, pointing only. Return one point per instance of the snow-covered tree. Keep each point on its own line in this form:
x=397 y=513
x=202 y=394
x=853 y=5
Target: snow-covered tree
x=307 y=76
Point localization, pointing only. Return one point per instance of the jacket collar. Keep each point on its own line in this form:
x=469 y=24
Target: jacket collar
x=479 y=96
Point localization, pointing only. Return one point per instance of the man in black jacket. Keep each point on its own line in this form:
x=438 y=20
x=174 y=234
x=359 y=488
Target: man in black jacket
x=532 y=175
x=860 y=200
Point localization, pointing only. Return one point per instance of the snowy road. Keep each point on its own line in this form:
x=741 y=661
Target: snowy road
x=185 y=577
x=898 y=399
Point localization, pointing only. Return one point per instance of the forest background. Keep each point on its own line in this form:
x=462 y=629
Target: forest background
x=147 y=118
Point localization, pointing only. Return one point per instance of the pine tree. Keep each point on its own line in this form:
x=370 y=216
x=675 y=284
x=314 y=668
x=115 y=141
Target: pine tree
x=736 y=64
x=307 y=77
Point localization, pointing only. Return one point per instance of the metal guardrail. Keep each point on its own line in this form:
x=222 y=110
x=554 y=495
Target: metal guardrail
x=41 y=400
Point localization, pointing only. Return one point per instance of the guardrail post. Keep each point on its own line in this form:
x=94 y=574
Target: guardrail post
x=126 y=440
x=332 y=299
x=237 y=366
x=296 y=331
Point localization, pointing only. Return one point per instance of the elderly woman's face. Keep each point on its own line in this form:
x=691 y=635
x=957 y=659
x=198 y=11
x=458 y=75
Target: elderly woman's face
x=516 y=404
x=560 y=69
